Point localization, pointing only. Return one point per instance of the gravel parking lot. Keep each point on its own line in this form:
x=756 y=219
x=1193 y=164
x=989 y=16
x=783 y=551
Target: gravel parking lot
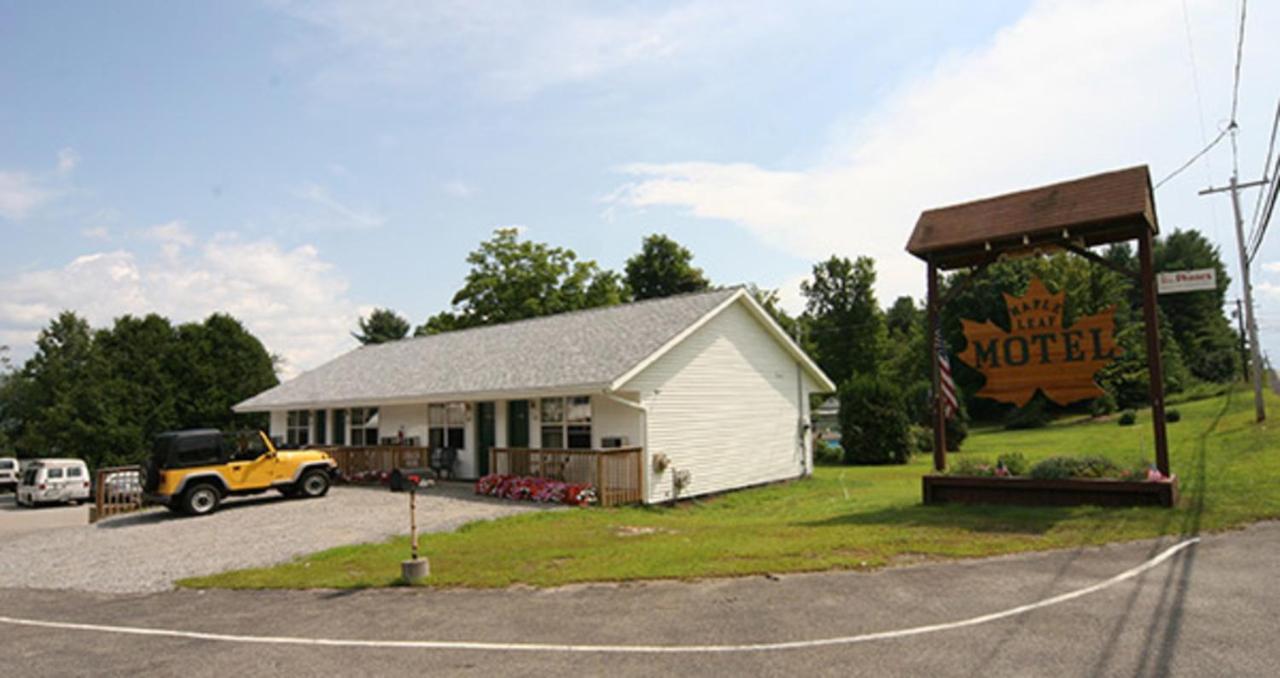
x=148 y=551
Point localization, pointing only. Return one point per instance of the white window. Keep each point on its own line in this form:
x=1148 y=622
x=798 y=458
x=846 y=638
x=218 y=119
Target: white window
x=447 y=425
x=364 y=426
x=566 y=422
x=298 y=429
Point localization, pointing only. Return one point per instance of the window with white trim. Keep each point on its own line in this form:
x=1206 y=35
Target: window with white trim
x=566 y=422
x=298 y=428
x=447 y=425
x=364 y=426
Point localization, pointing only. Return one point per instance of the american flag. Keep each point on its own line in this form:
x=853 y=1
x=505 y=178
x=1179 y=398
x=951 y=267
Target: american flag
x=948 y=386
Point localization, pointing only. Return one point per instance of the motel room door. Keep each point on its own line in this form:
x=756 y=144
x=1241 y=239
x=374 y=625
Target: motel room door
x=486 y=433
x=517 y=423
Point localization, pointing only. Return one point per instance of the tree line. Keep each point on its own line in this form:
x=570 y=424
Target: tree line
x=101 y=395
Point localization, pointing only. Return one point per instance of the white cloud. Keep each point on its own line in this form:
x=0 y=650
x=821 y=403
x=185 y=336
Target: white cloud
x=172 y=233
x=516 y=49
x=67 y=160
x=348 y=217
x=458 y=189
x=1072 y=88
x=21 y=194
x=1274 y=266
x=290 y=299
x=96 y=233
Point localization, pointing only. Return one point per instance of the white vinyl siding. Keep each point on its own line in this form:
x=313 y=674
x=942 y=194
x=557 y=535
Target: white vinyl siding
x=725 y=404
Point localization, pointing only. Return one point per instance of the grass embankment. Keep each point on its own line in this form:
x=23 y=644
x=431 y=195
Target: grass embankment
x=843 y=517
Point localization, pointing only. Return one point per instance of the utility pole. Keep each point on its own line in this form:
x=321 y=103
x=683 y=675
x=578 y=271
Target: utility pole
x=1251 y=326
x=1244 y=343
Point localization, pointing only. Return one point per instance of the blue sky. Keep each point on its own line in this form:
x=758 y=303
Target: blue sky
x=296 y=164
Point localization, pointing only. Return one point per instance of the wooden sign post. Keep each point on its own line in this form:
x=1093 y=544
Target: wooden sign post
x=1037 y=352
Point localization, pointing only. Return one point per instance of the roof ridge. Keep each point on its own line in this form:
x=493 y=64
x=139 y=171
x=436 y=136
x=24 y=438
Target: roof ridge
x=562 y=314
x=1023 y=191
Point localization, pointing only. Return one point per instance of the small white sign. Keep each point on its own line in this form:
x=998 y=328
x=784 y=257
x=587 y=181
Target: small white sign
x=1172 y=282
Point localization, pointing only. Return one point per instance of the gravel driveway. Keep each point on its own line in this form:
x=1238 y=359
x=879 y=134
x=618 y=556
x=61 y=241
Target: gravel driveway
x=148 y=551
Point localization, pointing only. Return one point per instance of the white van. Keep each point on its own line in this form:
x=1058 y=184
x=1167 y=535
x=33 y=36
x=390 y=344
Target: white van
x=54 y=481
x=8 y=473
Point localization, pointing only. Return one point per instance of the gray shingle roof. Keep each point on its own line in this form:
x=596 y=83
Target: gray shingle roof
x=584 y=348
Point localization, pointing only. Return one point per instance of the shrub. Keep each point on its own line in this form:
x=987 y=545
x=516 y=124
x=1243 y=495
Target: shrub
x=874 y=425
x=1059 y=468
x=1172 y=416
x=967 y=466
x=827 y=452
x=1128 y=418
x=922 y=439
x=1035 y=414
x=1103 y=405
x=1013 y=462
x=1055 y=468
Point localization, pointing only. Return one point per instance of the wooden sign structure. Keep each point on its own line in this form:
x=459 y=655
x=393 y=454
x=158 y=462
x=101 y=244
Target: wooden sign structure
x=1069 y=216
x=1037 y=352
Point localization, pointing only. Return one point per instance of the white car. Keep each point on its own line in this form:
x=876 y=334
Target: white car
x=54 y=481
x=8 y=473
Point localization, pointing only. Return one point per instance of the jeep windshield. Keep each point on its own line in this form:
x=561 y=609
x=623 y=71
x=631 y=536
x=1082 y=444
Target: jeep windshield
x=245 y=445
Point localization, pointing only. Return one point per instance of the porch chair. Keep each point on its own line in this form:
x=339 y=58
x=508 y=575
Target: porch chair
x=443 y=459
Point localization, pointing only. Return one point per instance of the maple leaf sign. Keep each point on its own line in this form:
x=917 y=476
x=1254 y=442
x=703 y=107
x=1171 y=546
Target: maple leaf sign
x=1038 y=353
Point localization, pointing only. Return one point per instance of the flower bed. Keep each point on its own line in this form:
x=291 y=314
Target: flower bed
x=527 y=488
x=1056 y=481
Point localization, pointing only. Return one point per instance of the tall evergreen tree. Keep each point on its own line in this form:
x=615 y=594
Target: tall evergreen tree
x=663 y=268
x=382 y=325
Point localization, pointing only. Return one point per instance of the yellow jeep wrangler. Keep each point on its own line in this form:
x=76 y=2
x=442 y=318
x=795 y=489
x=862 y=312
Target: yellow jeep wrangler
x=193 y=471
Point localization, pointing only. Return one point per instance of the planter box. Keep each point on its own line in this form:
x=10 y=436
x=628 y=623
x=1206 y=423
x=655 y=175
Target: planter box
x=1032 y=492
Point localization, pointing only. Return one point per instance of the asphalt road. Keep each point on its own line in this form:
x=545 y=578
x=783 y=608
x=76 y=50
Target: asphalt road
x=1209 y=610
x=16 y=520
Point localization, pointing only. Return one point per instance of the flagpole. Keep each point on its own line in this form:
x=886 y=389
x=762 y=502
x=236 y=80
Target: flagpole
x=939 y=417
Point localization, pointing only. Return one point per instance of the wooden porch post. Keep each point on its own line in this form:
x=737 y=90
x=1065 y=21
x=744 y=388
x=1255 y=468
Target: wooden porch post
x=1155 y=367
x=939 y=415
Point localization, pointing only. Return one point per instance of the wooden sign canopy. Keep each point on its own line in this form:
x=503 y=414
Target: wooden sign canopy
x=1072 y=216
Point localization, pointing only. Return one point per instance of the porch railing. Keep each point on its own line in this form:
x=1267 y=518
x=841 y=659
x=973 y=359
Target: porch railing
x=117 y=490
x=376 y=458
x=617 y=474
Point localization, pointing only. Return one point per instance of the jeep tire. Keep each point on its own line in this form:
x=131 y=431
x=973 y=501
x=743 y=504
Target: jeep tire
x=201 y=500
x=313 y=484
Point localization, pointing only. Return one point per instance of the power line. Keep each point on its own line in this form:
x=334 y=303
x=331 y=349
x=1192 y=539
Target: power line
x=1266 y=164
x=1266 y=202
x=1261 y=231
x=1235 y=90
x=1195 y=86
x=1197 y=156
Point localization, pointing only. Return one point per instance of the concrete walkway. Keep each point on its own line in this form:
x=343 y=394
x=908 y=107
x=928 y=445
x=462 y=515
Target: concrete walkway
x=1209 y=610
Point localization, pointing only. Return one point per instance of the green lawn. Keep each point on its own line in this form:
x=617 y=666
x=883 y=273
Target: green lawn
x=843 y=517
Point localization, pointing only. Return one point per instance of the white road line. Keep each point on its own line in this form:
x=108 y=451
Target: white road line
x=615 y=649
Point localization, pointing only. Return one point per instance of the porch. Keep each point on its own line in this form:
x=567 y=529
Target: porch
x=616 y=473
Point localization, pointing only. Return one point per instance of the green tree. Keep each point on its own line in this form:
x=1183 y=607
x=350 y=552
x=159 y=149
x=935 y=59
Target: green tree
x=873 y=422
x=58 y=398
x=845 y=323
x=662 y=268
x=772 y=303
x=513 y=279
x=218 y=364
x=1203 y=332
x=381 y=326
